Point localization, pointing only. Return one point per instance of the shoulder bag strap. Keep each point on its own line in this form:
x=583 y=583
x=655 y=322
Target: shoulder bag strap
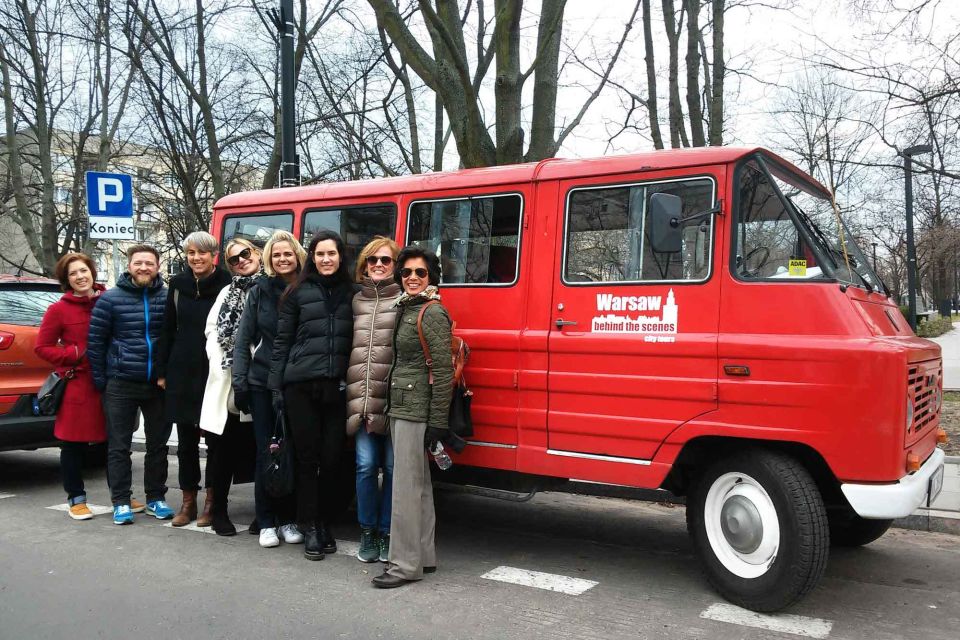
x=423 y=340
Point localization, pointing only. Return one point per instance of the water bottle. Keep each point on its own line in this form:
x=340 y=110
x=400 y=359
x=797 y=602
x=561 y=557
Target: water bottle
x=440 y=457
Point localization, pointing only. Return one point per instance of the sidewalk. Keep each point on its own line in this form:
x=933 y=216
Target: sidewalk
x=950 y=344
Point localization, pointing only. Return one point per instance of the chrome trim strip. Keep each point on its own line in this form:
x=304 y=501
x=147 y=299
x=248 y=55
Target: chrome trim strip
x=496 y=445
x=593 y=456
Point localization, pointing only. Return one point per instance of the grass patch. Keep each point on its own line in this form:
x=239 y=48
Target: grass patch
x=934 y=326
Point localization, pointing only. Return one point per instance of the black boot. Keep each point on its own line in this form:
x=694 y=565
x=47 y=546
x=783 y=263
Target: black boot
x=327 y=539
x=312 y=547
x=221 y=524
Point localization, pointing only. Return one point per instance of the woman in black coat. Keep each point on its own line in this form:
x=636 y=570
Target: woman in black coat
x=307 y=369
x=183 y=361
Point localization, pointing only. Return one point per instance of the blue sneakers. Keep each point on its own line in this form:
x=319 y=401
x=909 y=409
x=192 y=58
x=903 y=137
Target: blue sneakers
x=122 y=514
x=159 y=509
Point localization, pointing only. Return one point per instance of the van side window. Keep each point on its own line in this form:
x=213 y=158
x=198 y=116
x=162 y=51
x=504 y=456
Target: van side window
x=767 y=240
x=608 y=239
x=356 y=225
x=255 y=227
x=476 y=239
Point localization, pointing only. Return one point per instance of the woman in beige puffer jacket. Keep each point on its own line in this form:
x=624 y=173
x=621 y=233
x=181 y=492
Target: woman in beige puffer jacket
x=374 y=316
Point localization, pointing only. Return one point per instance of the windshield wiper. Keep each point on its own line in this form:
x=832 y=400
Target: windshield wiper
x=832 y=252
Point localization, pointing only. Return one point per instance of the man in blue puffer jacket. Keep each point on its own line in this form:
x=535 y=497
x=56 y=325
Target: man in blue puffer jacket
x=122 y=347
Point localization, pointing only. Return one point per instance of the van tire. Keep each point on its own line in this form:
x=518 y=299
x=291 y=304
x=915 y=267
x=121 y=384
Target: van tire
x=775 y=516
x=847 y=529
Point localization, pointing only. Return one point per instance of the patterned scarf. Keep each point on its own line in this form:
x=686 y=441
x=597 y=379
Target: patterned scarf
x=228 y=318
x=430 y=293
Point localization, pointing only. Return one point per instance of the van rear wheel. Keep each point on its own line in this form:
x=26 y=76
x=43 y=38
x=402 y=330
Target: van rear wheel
x=760 y=530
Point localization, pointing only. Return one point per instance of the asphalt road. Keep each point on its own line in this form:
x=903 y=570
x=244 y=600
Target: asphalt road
x=66 y=579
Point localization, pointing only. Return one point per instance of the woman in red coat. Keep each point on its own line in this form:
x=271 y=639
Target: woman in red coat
x=62 y=341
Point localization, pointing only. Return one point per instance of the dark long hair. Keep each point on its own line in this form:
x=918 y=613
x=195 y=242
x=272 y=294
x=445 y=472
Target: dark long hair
x=412 y=251
x=341 y=275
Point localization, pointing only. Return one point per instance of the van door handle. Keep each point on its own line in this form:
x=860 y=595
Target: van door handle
x=561 y=323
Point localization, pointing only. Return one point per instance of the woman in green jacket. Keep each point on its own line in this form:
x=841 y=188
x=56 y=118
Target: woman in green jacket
x=419 y=404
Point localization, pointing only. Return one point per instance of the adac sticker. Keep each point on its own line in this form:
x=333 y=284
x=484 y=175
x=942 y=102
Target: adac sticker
x=798 y=268
x=657 y=320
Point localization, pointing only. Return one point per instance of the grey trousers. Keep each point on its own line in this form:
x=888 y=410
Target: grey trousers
x=412 y=519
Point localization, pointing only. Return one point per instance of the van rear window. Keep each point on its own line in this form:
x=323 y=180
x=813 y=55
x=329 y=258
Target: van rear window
x=356 y=225
x=607 y=234
x=477 y=239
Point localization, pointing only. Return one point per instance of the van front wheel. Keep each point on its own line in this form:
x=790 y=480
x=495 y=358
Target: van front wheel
x=760 y=530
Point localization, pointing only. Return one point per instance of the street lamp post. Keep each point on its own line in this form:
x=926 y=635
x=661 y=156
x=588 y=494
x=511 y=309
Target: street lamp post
x=875 y=270
x=908 y=154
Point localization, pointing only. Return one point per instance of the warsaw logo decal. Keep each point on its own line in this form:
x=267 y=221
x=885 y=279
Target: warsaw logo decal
x=655 y=319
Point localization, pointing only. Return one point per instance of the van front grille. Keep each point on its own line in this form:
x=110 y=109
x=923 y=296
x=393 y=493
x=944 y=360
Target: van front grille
x=925 y=390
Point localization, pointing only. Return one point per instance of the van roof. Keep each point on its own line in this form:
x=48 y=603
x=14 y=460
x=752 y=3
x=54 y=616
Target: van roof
x=549 y=169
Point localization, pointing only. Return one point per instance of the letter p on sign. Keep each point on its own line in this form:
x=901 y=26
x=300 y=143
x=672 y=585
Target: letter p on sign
x=108 y=190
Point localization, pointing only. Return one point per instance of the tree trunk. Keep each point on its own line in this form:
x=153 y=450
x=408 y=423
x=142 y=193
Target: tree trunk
x=543 y=137
x=678 y=132
x=652 y=110
x=694 y=108
x=719 y=71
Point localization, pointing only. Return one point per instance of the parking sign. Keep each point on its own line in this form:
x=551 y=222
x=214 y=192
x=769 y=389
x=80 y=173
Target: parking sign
x=110 y=206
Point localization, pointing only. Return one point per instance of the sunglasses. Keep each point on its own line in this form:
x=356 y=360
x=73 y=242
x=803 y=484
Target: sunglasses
x=384 y=260
x=406 y=272
x=234 y=260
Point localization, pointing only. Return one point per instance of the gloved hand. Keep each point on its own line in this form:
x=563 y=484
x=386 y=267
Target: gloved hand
x=241 y=400
x=433 y=435
x=277 y=398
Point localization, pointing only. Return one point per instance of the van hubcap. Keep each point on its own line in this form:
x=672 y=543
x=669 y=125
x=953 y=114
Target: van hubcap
x=741 y=524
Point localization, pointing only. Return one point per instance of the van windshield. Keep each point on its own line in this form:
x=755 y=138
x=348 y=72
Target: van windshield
x=845 y=260
x=788 y=229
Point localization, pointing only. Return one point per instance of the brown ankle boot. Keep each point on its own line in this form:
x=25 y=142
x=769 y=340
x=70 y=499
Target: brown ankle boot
x=206 y=518
x=188 y=510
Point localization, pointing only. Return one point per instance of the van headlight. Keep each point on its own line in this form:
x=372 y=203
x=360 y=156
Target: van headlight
x=909 y=413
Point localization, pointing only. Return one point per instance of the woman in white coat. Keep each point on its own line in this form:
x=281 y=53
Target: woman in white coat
x=220 y=420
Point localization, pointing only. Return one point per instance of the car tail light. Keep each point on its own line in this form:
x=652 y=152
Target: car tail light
x=6 y=339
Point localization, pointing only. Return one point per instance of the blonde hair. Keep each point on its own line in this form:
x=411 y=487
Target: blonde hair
x=283 y=236
x=372 y=247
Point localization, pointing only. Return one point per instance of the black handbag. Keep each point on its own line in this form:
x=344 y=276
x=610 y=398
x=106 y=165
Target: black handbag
x=278 y=463
x=460 y=420
x=50 y=395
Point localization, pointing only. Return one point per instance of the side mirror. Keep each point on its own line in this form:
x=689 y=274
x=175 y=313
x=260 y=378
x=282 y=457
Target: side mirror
x=665 y=212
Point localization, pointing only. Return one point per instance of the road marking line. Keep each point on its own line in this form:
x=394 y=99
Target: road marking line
x=781 y=622
x=7 y=495
x=538 y=580
x=96 y=509
x=193 y=527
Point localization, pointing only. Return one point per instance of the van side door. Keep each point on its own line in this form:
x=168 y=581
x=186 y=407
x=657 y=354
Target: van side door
x=633 y=335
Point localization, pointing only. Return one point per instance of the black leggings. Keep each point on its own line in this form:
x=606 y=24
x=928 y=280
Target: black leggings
x=318 y=425
x=71 y=468
x=224 y=452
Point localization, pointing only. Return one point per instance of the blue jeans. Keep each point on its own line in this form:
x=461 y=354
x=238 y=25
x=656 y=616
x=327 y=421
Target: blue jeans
x=373 y=502
x=271 y=512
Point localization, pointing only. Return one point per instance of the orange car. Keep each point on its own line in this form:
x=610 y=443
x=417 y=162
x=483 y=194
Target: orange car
x=23 y=302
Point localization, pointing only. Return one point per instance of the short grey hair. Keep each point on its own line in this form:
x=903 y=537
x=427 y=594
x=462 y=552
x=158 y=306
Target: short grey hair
x=201 y=241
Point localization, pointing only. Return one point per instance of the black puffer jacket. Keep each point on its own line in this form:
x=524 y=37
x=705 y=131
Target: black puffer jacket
x=125 y=329
x=314 y=332
x=255 y=336
x=183 y=352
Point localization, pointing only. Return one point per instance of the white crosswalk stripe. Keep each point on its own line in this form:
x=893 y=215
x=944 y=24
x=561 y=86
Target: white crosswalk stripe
x=97 y=509
x=7 y=495
x=780 y=622
x=539 y=580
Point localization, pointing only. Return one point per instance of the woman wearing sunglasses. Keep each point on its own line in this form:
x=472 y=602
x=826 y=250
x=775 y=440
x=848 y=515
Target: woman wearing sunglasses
x=219 y=417
x=418 y=410
x=374 y=318
x=307 y=368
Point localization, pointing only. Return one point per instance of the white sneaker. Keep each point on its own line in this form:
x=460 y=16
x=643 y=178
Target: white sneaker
x=268 y=538
x=290 y=533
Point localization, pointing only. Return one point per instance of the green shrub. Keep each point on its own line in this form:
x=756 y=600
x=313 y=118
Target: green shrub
x=934 y=326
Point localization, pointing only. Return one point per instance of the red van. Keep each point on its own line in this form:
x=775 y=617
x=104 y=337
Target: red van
x=697 y=320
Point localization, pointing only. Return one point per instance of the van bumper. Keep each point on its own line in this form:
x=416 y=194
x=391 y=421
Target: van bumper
x=899 y=500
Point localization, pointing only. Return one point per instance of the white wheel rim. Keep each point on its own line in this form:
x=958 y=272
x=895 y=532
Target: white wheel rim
x=742 y=525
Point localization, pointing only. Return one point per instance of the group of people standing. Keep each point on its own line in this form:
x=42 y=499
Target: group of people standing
x=286 y=333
